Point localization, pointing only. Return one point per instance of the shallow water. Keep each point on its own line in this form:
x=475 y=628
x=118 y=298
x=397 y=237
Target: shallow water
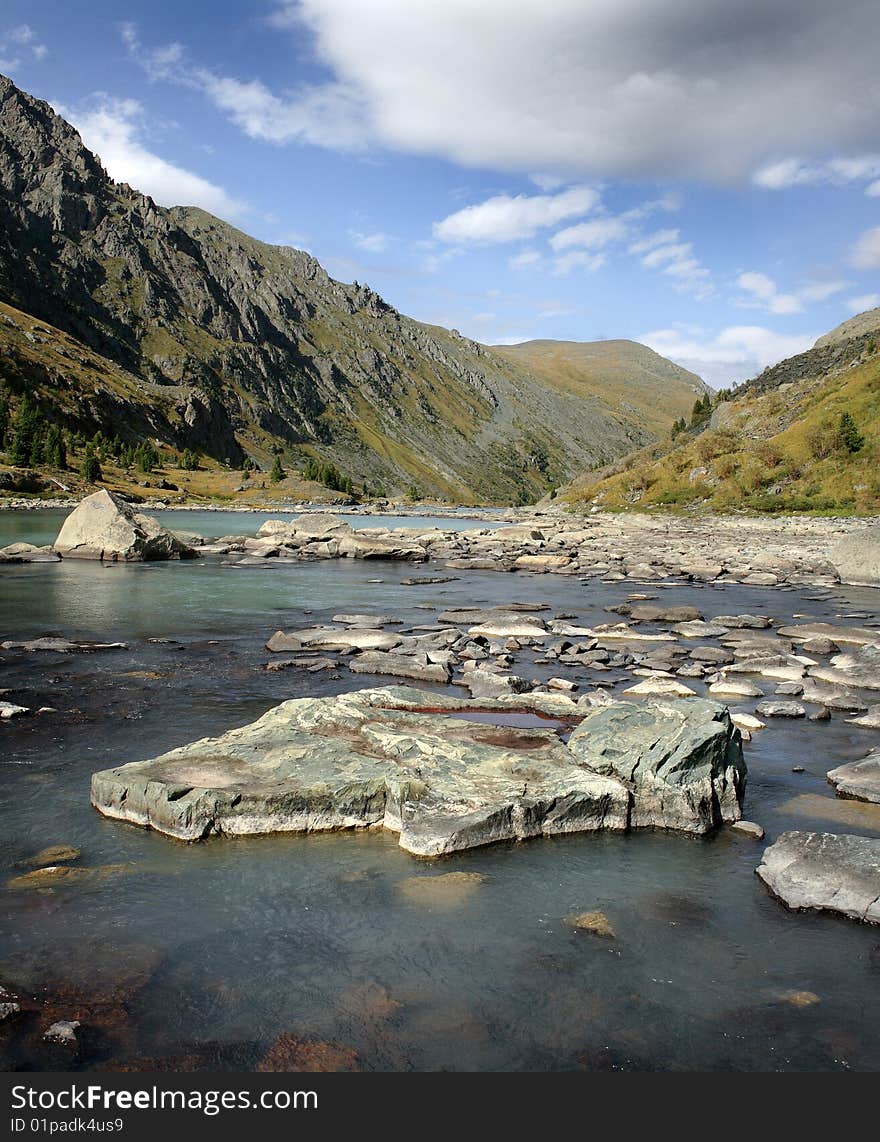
x=213 y=951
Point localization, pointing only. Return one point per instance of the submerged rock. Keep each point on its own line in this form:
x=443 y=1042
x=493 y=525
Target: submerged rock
x=829 y=872
x=103 y=526
x=409 y=760
x=596 y=923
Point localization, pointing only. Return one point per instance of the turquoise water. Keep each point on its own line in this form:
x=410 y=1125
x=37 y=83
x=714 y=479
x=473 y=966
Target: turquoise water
x=208 y=953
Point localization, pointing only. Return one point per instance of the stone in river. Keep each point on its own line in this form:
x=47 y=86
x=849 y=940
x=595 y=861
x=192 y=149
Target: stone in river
x=399 y=666
x=61 y=645
x=328 y=638
x=368 y=621
x=658 y=613
x=63 y=1032
x=396 y=757
x=28 y=553
x=857 y=557
x=747 y=721
x=509 y=626
x=828 y=872
x=488 y=684
x=771 y=709
x=682 y=760
x=750 y=828
x=850 y=636
x=104 y=526
x=728 y=688
x=10 y=710
x=449 y=890
x=858 y=779
x=661 y=687
x=870 y=720
x=289 y=1053
x=743 y=622
x=54 y=854
x=859 y=666
x=699 y=629
x=596 y=923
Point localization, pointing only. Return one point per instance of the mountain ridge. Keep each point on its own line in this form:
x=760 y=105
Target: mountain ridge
x=262 y=350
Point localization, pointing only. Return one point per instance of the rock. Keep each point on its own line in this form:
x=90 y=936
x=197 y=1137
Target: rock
x=53 y=876
x=858 y=779
x=857 y=667
x=743 y=622
x=399 y=666
x=823 y=715
x=54 y=855
x=395 y=757
x=62 y=646
x=449 y=890
x=10 y=710
x=792 y=689
x=103 y=526
x=9 y=1006
x=800 y=998
x=596 y=923
x=63 y=1033
x=760 y=579
x=850 y=636
x=28 y=553
x=289 y=1054
x=662 y=688
x=658 y=613
x=682 y=761
x=746 y=721
x=356 y=545
x=825 y=871
x=565 y=684
x=488 y=684
x=368 y=621
x=541 y=562
x=856 y=558
x=771 y=709
x=728 y=688
x=820 y=646
x=698 y=629
x=509 y=626
x=749 y=828
x=713 y=654
x=870 y=720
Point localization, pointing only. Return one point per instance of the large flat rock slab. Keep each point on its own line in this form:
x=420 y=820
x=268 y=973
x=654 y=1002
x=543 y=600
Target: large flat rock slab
x=445 y=773
x=828 y=872
x=859 y=779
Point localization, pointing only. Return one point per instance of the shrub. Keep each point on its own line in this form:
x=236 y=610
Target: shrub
x=189 y=461
x=849 y=437
x=277 y=474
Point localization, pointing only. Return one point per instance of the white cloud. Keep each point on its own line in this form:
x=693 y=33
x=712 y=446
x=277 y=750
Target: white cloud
x=609 y=88
x=112 y=128
x=506 y=218
x=860 y=304
x=591 y=235
x=651 y=241
x=578 y=259
x=834 y=172
x=762 y=293
x=733 y=354
x=19 y=44
x=866 y=252
x=558 y=311
x=373 y=243
x=526 y=259
x=675 y=252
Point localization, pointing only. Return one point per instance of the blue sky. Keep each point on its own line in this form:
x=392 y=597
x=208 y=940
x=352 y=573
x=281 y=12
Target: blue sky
x=707 y=181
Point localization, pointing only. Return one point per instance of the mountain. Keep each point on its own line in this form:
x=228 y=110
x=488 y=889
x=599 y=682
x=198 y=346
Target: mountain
x=802 y=436
x=634 y=380
x=172 y=322
x=858 y=326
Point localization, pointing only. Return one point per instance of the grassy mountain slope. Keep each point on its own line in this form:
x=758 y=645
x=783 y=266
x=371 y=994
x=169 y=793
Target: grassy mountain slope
x=235 y=348
x=638 y=383
x=778 y=445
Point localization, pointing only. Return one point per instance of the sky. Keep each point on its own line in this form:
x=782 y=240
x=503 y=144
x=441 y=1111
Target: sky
x=703 y=178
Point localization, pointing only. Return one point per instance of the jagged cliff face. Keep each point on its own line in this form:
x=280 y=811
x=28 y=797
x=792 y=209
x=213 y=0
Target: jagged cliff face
x=235 y=345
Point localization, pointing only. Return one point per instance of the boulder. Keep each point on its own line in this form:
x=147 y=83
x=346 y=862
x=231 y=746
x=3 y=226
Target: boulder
x=354 y=545
x=856 y=559
x=858 y=779
x=103 y=526
x=411 y=761
x=681 y=761
x=771 y=709
x=659 y=613
x=828 y=872
x=28 y=553
x=659 y=686
x=399 y=666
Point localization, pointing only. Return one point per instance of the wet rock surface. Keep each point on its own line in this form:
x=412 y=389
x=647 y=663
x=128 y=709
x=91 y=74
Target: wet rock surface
x=396 y=758
x=828 y=872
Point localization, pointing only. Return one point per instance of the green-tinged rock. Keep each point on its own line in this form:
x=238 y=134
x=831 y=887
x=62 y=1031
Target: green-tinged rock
x=396 y=757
